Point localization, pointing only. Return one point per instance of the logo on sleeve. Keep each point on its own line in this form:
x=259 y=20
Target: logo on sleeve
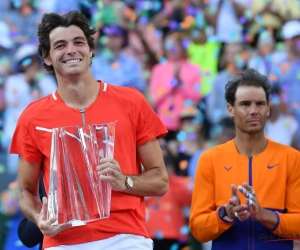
x=227 y=168
x=273 y=166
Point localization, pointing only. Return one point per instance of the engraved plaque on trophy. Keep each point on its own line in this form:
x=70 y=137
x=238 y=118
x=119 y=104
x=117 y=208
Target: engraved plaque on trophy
x=76 y=194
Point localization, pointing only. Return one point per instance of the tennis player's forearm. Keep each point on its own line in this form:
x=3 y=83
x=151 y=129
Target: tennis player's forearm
x=268 y=219
x=151 y=183
x=30 y=205
x=207 y=227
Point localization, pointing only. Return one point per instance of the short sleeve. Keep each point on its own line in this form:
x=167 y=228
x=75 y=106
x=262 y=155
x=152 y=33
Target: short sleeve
x=23 y=141
x=148 y=124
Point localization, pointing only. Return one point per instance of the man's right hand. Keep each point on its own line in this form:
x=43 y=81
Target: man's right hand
x=236 y=209
x=234 y=201
x=45 y=225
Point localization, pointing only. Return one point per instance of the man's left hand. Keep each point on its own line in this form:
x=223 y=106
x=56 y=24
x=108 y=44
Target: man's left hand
x=109 y=170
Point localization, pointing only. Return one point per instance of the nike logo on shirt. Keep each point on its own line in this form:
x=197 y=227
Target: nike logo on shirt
x=272 y=166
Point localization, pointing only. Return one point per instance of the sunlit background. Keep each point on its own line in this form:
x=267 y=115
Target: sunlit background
x=149 y=45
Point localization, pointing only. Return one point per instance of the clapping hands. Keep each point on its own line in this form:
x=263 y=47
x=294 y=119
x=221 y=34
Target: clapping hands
x=251 y=208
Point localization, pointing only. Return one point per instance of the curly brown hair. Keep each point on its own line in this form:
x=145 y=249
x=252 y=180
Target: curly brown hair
x=248 y=77
x=51 y=21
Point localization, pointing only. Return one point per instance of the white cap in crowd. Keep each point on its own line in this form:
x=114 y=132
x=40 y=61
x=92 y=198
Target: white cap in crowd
x=24 y=51
x=291 y=29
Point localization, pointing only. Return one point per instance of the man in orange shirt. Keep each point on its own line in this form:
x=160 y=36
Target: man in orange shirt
x=266 y=173
x=66 y=44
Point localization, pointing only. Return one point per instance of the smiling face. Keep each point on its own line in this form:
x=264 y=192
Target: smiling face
x=70 y=53
x=250 y=110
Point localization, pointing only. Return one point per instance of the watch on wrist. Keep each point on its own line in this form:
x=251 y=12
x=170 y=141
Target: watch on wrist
x=128 y=183
x=223 y=215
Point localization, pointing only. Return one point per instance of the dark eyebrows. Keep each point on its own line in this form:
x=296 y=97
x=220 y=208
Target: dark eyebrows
x=244 y=102
x=82 y=38
x=58 y=42
x=262 y=102
x=248 y=101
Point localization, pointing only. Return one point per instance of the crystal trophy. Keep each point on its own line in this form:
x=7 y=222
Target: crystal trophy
x=76 y=194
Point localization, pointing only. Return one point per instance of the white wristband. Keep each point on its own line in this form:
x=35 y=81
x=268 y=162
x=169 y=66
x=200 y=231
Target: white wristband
x=227 y=219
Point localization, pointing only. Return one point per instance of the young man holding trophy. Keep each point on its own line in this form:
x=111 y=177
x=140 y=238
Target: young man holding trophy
x=57 y=135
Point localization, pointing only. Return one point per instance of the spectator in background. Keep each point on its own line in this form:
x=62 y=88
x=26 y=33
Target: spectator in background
x=234 y=60
x=280 y=126
x=23 y=20
x=261 y=20
x=263 y=58
x=6 y=47
x=174 y=84
x=166 y=222
x=6 y=51
x=230 y=10
x=189 y=139
x=22 y=88
x=195 y=20
x=114 y=67
x=108 y=12
x=286 y=72
x=282 y=9
x=204 y=51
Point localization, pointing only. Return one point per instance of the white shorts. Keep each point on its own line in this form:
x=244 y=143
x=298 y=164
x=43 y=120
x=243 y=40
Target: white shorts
x=118 y=242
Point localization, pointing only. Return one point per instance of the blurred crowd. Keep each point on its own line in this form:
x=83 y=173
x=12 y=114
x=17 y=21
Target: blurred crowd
x=179 y=54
